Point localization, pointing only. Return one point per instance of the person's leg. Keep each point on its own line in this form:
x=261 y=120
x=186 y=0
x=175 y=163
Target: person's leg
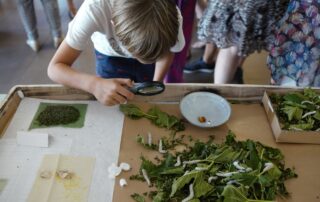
x=175 y=74
x=29 y=21
x=210 y=54
x=51 y=9
x=226 y=65
x=205 y=64
x=200 y=7
x=72 y=9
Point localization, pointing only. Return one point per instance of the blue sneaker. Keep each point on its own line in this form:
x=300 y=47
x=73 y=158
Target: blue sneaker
x=198 y=66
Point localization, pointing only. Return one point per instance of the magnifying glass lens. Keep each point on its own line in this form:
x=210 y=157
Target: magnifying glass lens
x=150 y=89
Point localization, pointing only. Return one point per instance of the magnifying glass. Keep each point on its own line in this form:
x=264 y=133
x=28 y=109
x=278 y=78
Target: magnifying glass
x=148 y=88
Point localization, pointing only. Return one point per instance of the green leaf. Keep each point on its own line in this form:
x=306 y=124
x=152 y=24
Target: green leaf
x=294 y=97
x=293 y=112
x=265 y=180
x=230 y=139
x=302 y=126
x=213 y=170
x=201 y=187
x=226 y=155
x=273 y=174
x=233 y=194
x=149 y=166
x=247 y=179
x=132 y=111
x=271 y=154
x=308 y=92
x=194 y=200
x=164 y=120
x=160 y=197
x=254 y=159
x=174 y=170
x=183 y=180
x=137 y=197
x=317 y=115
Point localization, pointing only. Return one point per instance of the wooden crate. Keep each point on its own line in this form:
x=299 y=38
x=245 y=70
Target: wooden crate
x=281 y=135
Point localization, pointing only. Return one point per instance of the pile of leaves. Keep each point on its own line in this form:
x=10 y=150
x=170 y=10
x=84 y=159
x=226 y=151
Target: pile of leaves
x=241 y=171
x=57 y=115
x=155 y=115
x=298 y=111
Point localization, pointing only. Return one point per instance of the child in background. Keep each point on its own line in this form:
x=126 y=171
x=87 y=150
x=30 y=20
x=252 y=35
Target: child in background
x=28 y=17
x=134 y=40
x=238 y=28
x=175 y=73
x=72 y=9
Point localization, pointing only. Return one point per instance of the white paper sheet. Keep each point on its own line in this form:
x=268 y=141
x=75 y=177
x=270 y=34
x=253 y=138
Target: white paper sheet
x=100 y=138
x=32 y=139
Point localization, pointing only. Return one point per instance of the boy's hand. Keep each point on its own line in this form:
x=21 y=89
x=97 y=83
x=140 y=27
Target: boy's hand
x=112 y=91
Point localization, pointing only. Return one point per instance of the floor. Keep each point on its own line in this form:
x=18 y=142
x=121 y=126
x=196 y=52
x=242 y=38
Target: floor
x=20 y=65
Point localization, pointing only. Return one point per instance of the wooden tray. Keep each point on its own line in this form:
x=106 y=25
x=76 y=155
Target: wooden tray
x=289 y=136
x=253 y=124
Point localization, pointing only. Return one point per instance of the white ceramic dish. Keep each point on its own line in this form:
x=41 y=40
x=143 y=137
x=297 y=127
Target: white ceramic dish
x=214 y=108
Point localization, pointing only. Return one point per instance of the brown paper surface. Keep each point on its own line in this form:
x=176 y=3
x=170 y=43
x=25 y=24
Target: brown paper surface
x=247 y=121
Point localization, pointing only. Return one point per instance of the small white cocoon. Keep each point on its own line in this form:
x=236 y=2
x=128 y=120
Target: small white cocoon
x=125 y=166
x=123 y=182
x=114 y=170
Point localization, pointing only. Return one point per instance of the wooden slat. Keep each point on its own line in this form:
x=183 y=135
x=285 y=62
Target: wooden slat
x=173 y=93
x=8 y=109
x=54 y=92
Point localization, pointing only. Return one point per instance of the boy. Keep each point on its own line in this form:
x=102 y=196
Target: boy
x=128 y=37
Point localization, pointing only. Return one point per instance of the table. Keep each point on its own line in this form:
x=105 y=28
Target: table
x=2 y=96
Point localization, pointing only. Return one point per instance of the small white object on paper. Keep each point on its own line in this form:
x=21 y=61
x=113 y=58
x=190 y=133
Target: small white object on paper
x=32 y=139
x=114 y=171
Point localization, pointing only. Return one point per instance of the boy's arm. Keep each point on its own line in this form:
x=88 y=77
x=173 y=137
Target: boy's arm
x=162 y=66
x=107 y=91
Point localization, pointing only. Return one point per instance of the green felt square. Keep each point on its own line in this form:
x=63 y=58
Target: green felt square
x=77 y=124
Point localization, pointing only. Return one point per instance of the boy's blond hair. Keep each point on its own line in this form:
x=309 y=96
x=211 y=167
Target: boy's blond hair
x=146 y=28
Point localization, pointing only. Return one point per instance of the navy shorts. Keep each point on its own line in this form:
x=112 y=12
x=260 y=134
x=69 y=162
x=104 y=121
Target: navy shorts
x=119 y=67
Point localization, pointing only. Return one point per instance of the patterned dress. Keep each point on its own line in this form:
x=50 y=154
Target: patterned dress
x=295 y=50
x=246 y=24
